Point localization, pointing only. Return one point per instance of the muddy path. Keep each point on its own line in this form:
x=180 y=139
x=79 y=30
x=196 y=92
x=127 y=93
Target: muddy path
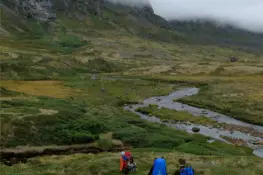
x=236 y=132
x=11 y=156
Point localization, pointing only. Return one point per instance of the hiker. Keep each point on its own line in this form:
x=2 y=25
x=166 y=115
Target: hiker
x=132 y=165
x=151 y=170
x=123 y=163
x=184 y=169
x=159 y=167
x=124 y=159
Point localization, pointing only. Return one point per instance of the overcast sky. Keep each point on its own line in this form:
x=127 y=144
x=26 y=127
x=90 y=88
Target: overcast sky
x=246 y=14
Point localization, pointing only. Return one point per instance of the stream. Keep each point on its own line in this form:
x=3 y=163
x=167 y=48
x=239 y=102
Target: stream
x=212 y=132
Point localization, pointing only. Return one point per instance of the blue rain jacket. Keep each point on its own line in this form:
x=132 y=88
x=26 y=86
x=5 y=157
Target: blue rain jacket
x=159 y=167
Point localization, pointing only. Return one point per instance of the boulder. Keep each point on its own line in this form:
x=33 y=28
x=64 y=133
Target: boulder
x=195 y=129
x=233 y=59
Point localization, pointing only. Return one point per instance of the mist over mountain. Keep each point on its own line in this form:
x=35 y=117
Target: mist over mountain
x=244 y=14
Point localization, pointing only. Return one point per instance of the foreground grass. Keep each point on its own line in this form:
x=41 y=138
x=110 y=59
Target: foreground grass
x=108 y=164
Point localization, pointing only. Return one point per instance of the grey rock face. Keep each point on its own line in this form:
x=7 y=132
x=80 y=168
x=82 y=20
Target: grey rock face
x=46 y=9
x=38 y=9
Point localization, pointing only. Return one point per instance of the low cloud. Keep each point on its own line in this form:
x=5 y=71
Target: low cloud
x=245 y=14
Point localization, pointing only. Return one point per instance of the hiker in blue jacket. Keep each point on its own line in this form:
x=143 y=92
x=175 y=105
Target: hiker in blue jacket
x=184 y=169
x=159 y=167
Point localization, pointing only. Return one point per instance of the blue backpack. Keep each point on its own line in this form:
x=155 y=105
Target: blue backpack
x=187 y=171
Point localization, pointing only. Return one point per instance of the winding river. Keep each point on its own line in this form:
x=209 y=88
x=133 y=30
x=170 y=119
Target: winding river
x=212 y=132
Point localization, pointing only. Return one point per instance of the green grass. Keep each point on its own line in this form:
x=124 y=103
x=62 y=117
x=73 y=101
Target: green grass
x=8 y=93
x=108 y=163
x=90 y=112
x=78 y=109
x=116 y=92
x=26 y=67
x=232 y=98
x=176 y=116
x=61 y=42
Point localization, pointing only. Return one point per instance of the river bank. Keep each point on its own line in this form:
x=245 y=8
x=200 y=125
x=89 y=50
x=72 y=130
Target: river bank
x=243 y=137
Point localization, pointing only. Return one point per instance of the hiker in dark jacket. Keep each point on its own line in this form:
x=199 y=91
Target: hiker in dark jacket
x=151 y=170
x=184 y=169
x=132 y=165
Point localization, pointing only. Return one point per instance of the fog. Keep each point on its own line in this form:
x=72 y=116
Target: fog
x=245 y=14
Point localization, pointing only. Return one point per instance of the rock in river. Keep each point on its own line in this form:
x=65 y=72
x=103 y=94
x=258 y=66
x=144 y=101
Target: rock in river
x=195 y=129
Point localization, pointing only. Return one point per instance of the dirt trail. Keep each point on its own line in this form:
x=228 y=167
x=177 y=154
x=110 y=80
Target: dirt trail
x=12 y=156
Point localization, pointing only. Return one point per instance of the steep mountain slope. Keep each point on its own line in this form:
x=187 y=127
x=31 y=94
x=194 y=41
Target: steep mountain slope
x=207 y=32
x=18 y=16
x=59 y=28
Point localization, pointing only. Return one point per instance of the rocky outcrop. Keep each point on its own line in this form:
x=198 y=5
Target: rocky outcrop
x=47 y=9
x=39 y=9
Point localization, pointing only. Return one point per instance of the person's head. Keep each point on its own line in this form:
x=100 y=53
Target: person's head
x=182 y=162
x=123 y=153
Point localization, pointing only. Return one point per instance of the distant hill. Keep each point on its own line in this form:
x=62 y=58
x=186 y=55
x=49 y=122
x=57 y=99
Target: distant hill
x=206 y=32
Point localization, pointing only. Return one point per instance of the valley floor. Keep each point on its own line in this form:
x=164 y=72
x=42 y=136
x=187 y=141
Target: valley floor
x=60 y=89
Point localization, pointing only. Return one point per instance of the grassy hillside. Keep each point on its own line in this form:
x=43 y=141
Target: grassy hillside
x=65 y=81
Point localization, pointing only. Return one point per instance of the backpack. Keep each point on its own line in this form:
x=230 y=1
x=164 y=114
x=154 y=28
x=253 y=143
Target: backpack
x=187 y=171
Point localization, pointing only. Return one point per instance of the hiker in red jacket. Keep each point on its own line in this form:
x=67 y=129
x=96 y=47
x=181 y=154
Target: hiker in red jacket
x=124 y=159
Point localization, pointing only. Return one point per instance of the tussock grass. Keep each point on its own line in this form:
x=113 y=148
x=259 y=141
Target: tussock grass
x=108 y=164
x=176 y=116
x=117 y=91
x=38 y=88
